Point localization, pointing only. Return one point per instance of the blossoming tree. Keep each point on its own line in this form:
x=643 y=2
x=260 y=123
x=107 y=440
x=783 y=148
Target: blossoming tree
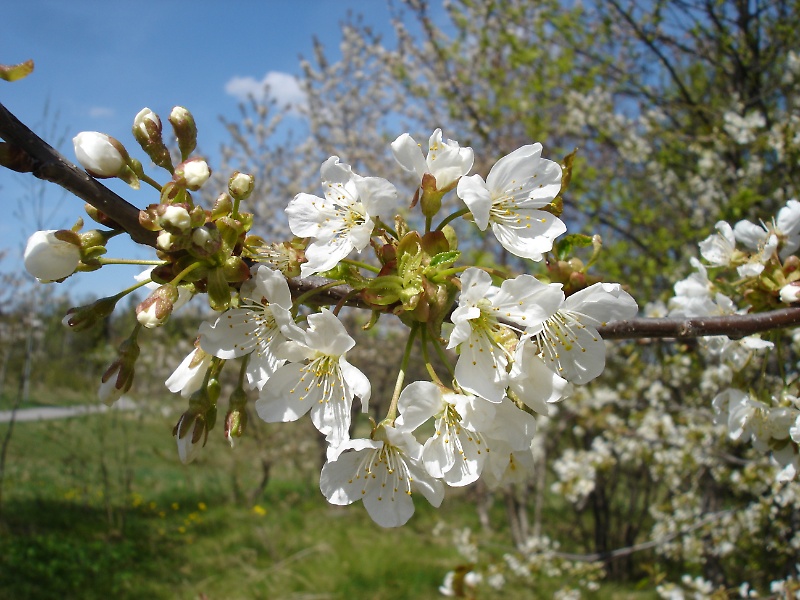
x=512 y=346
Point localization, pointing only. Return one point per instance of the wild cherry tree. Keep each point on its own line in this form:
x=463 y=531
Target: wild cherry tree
x=511 y=347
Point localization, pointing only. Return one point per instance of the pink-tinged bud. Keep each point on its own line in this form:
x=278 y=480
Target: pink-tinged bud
x=241 y=185
x=791 y=293
x=101 y=155
x=185 y=130
x=156 y=308
x=51 y=255
x=192 y=173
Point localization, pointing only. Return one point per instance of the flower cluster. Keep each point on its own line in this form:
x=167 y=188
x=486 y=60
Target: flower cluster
x=520 y=343
x=757 y=264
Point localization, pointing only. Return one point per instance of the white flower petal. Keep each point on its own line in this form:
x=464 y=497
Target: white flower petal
x=473 y=191
x=409 y=155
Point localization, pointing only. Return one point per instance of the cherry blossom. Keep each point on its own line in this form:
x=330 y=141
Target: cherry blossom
x=256 y=328
x=457 y=450
x=325 y=385
x=518 y=185
x=485 y=343
x=384 y=472
x=445 y=161
x=569 y=342
x=343 y=220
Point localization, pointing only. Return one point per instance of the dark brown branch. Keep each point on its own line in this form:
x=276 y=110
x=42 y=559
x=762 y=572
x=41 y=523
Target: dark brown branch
x=46 y=163
x=734 y=326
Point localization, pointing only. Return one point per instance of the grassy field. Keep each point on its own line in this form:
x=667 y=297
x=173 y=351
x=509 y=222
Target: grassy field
x=100 y=507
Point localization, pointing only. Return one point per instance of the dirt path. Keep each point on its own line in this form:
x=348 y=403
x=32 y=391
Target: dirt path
x=48 y=413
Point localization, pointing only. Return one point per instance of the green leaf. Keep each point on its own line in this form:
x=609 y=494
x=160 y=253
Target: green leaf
x=445 y=258
x=565 y=246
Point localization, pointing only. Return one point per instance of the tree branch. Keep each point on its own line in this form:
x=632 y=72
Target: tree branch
x=46 y=163
x=734 y=326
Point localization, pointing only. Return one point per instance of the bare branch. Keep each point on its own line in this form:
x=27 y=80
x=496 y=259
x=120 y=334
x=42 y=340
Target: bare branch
x=598 y=556
x=46 y=163
x=733 y=326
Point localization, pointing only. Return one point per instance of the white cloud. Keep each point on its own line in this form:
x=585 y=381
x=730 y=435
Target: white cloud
x=282 y=87
x=101 y=112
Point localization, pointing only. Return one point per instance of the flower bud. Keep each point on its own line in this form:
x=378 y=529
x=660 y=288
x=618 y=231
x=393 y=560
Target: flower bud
x=193 y=426
x=791 y=293
x=206 y=240
x=236 y=269
x=192 y=173
x=147 y=131
x=100 y=217
x=189 y=375
x=223 y=206
x=241 y=185
x=185 y=130
x=219 y=292
x=166 y=241
x=431 y=200
x=82 y=317
x=51 y=255
x=156 y=308
x=173 y=193
x=189 y=432
x=174 y=217
x=236 y=418
x=101 y=155
x=118 y=378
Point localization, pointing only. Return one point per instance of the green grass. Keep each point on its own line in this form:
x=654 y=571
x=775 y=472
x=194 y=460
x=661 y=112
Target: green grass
x=72 y=528
x=100 y=507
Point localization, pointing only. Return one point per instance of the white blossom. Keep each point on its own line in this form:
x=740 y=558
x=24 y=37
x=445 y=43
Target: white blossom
x=99 y=154
x=446 y=161
x=457 y=450
x=569 y=341
x=258 y=327
x=518 y=185
x=384 y=473
x=343 y=220
x=325 y=385
x=482 y=340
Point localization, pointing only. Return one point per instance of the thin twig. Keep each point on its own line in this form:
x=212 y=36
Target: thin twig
x=644 y=545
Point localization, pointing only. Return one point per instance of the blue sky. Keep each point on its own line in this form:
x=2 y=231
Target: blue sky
x=99 y=62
